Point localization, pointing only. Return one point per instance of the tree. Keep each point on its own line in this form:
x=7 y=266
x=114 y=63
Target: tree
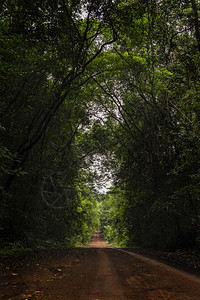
x=152 y=97
x=85 y=82
x=47 y=50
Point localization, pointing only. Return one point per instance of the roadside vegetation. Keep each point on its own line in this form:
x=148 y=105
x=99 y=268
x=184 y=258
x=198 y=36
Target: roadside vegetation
x=114 y=81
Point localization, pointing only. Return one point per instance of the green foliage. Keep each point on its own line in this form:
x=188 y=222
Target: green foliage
x=13 y=248
x=112 y=218
x=79 y=81
x=46 y=49
x=154 y=99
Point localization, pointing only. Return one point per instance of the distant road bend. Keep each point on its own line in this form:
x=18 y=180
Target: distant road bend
x=100 y=272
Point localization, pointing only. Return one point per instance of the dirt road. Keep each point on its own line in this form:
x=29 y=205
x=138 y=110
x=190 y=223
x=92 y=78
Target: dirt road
x=95 y=272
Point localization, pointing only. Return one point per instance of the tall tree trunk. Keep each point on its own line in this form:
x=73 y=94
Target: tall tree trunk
x=196 y=22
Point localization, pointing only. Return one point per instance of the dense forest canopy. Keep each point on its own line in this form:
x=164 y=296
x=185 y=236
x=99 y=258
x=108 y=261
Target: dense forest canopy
x=92 y=89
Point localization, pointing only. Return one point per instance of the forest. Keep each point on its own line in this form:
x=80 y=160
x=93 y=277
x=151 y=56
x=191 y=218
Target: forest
x=95 y=94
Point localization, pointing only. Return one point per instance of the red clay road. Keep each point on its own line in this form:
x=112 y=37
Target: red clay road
x=97 y=272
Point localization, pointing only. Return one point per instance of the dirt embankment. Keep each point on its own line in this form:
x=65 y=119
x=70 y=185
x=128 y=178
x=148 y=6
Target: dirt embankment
x=93 y=272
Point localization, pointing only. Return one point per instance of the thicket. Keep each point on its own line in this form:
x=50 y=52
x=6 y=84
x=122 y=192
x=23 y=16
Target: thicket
x=151 y=97
x=46 y=52
x=113 y=80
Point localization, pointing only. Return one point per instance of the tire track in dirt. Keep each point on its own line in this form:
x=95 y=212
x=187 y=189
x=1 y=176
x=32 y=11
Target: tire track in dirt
x=106 y=284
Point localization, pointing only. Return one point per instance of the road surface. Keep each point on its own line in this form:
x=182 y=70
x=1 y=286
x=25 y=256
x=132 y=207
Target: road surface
x=97 y=272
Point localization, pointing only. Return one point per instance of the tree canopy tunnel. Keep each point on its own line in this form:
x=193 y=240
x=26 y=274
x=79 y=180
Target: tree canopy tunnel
x=99 y=122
